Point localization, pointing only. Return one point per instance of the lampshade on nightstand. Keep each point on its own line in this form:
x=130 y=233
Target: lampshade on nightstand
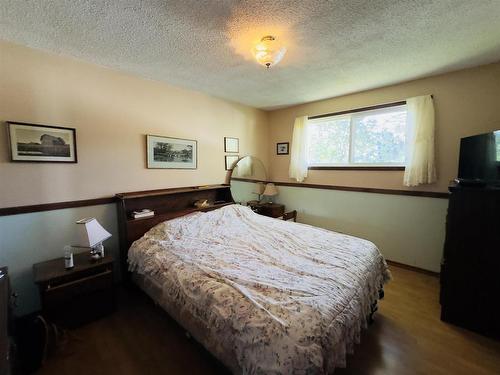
x=270 y=191
x=91 y=234
x=259 y=188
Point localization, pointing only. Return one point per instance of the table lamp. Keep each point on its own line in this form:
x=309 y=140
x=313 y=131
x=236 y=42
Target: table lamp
x=270 y=191
x=259 y=189
x=91 y=234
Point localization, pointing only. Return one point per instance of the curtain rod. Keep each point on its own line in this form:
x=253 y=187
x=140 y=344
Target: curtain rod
x=379 y=106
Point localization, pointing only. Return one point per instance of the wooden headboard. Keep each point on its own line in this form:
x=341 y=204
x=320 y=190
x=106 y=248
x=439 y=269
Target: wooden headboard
x=167 y=204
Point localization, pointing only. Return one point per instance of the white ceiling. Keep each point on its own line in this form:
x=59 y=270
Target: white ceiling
x=334 y=47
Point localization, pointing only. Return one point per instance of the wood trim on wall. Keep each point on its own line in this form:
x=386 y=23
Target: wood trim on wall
x=412 y=268
x=354 y=168
x=249 y=180
x=16 y=210
x=415 y=193
x=55 y=206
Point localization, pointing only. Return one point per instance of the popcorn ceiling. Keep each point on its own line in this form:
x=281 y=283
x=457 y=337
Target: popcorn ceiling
x=334 y=47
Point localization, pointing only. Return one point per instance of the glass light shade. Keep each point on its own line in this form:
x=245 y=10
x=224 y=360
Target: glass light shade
x=90 y=233
x=270 y=190
x=268 y=52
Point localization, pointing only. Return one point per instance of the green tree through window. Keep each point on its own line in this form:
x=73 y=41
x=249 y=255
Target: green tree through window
x=374 y=137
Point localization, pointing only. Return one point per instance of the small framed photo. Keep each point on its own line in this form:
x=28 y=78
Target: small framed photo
x=282 y=148
x=41 y=143
x=171 y=153
x=231 y=144
x=231 y=160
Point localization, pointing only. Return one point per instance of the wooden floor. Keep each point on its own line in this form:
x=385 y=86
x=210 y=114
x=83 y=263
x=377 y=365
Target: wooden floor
x=406 y=338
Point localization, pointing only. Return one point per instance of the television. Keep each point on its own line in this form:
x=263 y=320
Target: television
x=479 y=162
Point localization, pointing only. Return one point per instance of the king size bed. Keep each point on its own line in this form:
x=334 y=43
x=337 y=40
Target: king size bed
x=264 y=296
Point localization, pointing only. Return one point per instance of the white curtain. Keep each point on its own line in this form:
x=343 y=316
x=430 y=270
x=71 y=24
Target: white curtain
x=420 y=162
x=298 y=157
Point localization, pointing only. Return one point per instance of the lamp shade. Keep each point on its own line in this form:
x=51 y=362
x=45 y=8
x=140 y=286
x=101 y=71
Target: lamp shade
x=259 y=188
x=90 y=233
x=270 y=190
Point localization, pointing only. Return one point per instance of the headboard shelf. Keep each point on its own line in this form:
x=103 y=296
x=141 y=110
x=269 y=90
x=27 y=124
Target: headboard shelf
x=167 y=204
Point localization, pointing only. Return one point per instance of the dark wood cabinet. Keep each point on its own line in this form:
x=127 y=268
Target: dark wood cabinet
x=470 y=281
x=268 y=209
x=76 y=296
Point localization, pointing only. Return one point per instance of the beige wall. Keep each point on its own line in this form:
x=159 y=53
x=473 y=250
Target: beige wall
x=111 y=112
x=406 y=229
x=466 y=102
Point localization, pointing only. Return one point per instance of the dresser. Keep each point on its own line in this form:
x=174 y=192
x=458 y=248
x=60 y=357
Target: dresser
x=470 y=281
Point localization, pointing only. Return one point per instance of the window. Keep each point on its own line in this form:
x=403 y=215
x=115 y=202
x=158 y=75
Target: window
x=369 y=138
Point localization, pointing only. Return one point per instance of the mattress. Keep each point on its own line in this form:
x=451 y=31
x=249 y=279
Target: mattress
x=265 y=296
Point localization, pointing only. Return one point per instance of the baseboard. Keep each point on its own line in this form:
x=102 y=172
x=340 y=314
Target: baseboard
x=412 y=268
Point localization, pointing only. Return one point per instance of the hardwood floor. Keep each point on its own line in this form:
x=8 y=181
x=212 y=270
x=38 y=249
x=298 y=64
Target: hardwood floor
x=407 y=337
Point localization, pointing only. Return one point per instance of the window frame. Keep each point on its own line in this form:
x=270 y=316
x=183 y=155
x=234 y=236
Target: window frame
x=384 y=108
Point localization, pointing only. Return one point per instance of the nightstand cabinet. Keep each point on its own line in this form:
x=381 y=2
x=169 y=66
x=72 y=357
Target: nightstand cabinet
x=76 y=296
x=268 y=209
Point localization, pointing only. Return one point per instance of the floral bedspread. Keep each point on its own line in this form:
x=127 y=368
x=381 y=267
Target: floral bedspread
x=275 y=297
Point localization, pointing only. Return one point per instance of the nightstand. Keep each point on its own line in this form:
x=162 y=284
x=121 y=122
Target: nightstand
x=268 y=209
x=76 y=296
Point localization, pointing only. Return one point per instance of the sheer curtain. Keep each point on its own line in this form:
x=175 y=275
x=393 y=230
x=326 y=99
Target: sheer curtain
x=420 y=161
x=298 y=157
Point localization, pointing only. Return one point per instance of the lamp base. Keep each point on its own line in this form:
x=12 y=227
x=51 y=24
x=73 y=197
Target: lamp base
x=97 y=252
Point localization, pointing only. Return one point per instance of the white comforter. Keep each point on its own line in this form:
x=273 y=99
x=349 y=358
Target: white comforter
x=274 y=296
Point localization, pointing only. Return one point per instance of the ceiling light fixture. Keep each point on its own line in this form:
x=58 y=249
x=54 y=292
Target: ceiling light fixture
x=268 y=52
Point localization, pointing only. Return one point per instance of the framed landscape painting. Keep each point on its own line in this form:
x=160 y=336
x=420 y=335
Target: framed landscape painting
x=171 y=153
x=41 y=143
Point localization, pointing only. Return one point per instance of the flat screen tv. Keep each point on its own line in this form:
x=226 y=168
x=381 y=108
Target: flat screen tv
x=480 y=159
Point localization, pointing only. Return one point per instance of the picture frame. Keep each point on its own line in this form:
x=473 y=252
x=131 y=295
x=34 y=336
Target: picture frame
x=282 y=148
x=171 y=153
x=231 y=144
x=230 y=161
x=36 y=143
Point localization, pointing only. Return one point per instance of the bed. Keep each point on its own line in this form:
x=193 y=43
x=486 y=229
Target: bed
x=263 y=295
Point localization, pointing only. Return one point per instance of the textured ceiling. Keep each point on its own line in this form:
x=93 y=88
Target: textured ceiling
x=334 y=47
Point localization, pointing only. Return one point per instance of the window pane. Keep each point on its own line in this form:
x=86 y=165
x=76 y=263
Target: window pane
x=329 y=141
x=379 y=138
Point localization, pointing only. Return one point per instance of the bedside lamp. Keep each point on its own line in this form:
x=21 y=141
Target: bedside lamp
x=270 y=191
x=259 y=189
x=91 y=234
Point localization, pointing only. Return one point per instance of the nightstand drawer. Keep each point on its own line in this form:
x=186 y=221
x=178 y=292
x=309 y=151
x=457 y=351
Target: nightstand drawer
x=272 y=210
x=77 y=288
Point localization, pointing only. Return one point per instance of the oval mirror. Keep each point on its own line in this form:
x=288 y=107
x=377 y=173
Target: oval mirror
x=248 y=179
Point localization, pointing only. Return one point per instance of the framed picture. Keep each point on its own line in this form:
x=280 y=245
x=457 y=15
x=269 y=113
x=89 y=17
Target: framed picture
x=231 y=144
x=41 y=143
x=171 y=153
x=282 y=148
x=231 y=161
